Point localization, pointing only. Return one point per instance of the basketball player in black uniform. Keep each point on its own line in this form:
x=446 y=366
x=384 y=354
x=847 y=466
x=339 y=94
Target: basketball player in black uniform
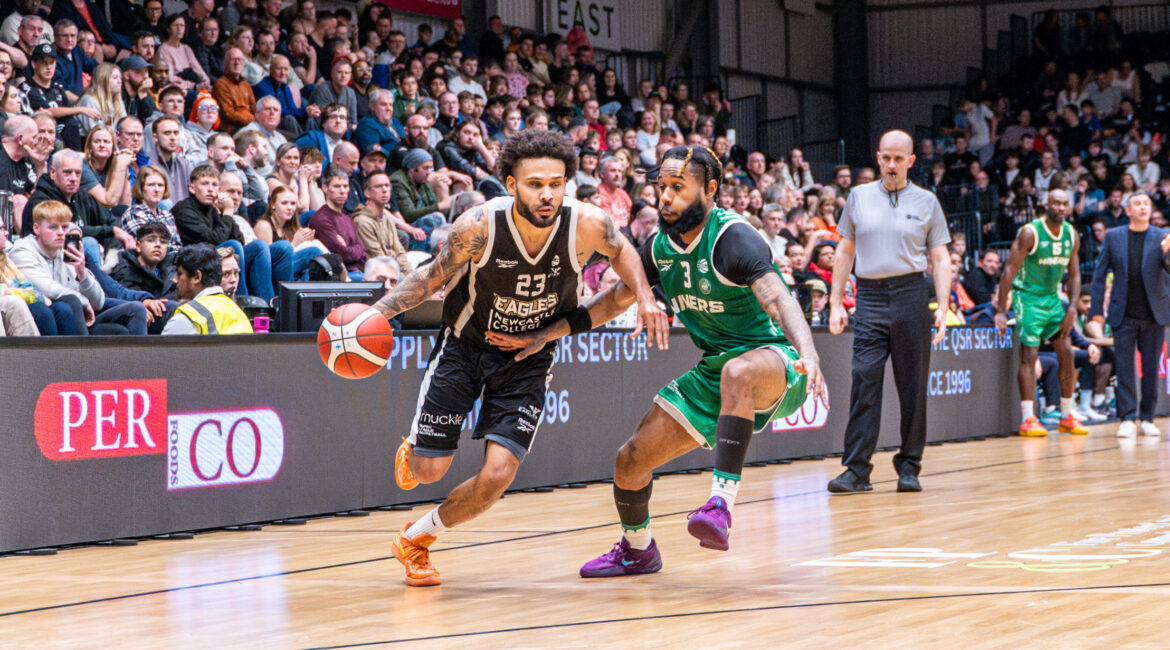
x=511 y=265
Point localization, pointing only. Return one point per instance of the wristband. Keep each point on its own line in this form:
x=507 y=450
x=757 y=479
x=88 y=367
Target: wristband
x=579 y=320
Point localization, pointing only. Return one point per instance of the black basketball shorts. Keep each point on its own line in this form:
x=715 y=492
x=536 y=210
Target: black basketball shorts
x=458 y=373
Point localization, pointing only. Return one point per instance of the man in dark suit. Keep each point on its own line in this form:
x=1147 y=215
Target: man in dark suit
x=1139 y=308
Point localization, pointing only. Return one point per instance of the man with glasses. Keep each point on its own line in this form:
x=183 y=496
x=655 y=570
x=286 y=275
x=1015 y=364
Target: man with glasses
x=334 y=125
x=234 y=94
x=337 y=91
x=129 y=134
x=1041 y=253
x=71 y=60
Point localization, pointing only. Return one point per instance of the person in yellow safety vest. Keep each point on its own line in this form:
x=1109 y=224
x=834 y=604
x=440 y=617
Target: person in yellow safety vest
x=206 y=308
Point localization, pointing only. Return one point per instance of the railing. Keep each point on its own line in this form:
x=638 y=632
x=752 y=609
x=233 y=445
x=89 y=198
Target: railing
x=823 y=157
x=633 y=66
x=1133 y=19
x=746 y=115
x=779 y=135
x=970 y=224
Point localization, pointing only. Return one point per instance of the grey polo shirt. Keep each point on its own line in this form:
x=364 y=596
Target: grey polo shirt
x=893 y=236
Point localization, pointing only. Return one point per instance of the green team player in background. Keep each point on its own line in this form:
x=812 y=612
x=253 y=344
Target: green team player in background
x=758 y=359
x=1041 y=253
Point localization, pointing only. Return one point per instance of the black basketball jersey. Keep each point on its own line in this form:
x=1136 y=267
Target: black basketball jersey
x=509 y=291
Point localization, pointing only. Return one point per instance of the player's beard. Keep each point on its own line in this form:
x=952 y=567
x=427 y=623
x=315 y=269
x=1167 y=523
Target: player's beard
x=691 y=217
x=530 y=214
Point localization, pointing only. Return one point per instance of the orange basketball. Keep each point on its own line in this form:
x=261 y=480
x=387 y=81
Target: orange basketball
x=355 y=341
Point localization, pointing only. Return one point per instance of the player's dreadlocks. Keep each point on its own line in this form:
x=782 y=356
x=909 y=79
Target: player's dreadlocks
x=699 y=161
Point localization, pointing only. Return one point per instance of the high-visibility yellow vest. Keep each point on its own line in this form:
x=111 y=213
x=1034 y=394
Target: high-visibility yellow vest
x=216 y=314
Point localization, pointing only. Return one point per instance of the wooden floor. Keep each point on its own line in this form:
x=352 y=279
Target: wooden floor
x=1038 y=543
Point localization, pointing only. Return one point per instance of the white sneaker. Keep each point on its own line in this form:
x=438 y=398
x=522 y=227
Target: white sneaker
x=1149 y=429
x=1128 y=429
x=1087 y=414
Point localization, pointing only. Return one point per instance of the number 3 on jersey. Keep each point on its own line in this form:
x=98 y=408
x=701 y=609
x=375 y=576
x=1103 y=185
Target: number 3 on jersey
x=524 y=281
x=686 y=266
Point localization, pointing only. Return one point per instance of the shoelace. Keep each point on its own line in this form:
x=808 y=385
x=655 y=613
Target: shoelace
x=616 y=553
x=706 y=507
x=416 y=554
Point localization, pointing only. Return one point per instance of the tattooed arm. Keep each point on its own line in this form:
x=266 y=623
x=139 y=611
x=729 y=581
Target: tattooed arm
x=597 y=232
x=465 y=244
x=775 y=298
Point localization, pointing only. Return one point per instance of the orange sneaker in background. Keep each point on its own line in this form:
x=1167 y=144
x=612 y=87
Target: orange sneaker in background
x=1031 y=428
x=1072 y=424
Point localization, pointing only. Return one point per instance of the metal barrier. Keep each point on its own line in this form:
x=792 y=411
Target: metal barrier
x=970 y=224
x=778 y=136
x=1134 y=18
x=633 y=66
x=823 y=157
x=746 y=114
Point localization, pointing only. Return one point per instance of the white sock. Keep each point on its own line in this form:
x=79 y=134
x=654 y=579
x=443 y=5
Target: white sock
x=1098 y=399
x=638 y=538
x=429 y=524
x=1026 y=407
x=1066 y=407
x=725 y=486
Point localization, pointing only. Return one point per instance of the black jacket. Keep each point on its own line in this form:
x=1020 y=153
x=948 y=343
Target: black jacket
x=130 y=273
x=203 y=224
x=95 y=221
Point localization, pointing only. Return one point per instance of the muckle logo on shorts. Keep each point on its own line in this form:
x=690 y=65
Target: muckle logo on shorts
x=812 y=415
x=101 y=419
x=206 y=449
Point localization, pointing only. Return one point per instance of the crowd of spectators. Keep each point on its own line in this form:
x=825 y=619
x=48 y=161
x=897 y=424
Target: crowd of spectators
x=1084 y=113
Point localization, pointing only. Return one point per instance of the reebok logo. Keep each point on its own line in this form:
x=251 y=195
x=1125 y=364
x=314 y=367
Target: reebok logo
x=506 y=264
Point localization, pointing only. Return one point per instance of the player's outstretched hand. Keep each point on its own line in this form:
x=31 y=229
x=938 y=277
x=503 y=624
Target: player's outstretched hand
x=811 y=368
x=528 y=343
x=653 y=318
x=838 y=318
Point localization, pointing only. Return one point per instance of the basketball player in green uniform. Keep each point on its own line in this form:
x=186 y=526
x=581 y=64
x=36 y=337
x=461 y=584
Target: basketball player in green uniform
x=1041 y=253
x=758 y=358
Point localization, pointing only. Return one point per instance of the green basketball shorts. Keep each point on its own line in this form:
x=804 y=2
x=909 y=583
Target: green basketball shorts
x=693 y=399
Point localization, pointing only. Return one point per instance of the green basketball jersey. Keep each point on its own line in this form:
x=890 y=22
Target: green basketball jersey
x=719 y=315
x=1045 y=264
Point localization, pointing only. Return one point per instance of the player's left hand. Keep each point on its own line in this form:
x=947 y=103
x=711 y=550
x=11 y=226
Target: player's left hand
x=940 y=325
x=811 y=368
x=528 y=343
x=653 y=318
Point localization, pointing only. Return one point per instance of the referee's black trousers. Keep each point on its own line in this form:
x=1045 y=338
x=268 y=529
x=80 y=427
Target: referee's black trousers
x=892 y=320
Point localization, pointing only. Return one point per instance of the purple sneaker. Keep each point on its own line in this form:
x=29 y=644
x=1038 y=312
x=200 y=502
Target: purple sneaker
x=623 y=561
x=710 y=524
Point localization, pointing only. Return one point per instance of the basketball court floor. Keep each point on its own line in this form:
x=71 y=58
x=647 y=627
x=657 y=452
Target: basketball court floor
x=1037 y=543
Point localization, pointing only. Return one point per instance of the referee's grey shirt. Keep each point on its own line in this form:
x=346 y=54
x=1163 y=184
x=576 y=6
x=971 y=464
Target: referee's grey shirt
x=893 y=231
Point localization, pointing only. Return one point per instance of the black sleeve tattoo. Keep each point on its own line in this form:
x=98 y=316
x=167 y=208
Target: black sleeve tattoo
x=466 y=242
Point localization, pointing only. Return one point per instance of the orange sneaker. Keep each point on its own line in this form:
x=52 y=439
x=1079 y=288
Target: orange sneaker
x=402 y=474
x=1072 y=424
x=416 y=558
x=1031 y=428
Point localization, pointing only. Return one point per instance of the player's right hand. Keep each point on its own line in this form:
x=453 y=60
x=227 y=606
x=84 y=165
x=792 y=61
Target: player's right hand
x=528 y=343
x=816 y=381
x=838 y=319
x=1000 y=323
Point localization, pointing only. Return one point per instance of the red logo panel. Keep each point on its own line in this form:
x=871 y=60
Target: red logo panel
x=102 y=419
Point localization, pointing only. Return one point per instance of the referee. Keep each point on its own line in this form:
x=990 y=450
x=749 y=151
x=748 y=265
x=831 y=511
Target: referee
x=889 y=226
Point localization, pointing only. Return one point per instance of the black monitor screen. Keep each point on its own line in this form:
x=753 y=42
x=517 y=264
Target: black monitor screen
x=303 y=305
